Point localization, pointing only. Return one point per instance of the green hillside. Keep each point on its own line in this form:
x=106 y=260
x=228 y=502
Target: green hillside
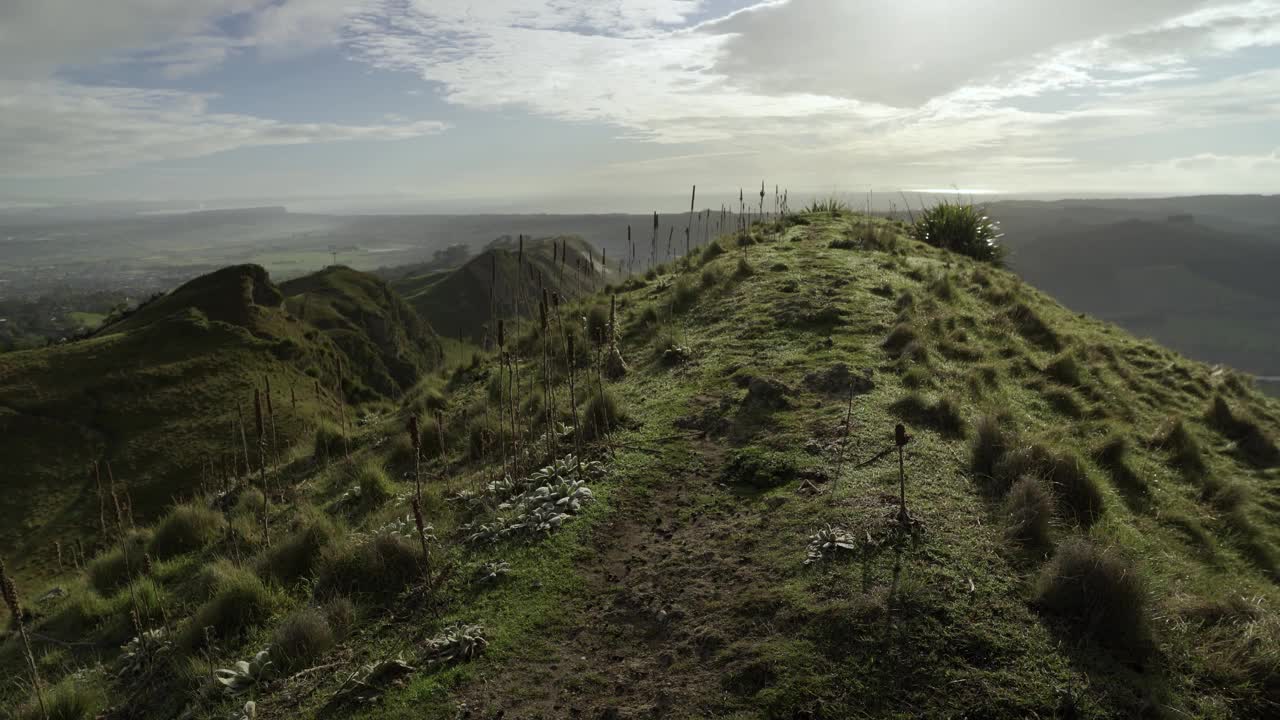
x=460 y=302
x=1092 y=520
x=157 y=395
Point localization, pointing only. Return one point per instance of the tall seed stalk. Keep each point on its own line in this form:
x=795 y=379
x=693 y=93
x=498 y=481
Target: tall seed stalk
x=10 y=592
x=262 y=466
x=689 y=225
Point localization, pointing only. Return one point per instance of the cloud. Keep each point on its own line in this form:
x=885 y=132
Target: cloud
x=60 y=129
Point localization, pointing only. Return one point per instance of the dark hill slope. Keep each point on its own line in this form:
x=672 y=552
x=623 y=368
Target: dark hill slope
x=158 y=394
x=385 y=341
x=1210 y=294
x=458 y=302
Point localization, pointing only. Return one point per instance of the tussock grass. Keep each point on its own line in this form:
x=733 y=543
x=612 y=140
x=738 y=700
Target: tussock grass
x=710 y=277
x=294 y=557
x=1184 y=450
x=991 y=442
x=187 y=527
x=378 y=568
x=601 y=415
x=598 y=324
x=684 y=294
x=1064 y=402
x=941 y=414
x=1064 y=369
x=116 y=566
x=1113 y=455
x=341 y=614
x=743 y=269
x=899 y=338
x=240 y=601
x=70 y=699
x=376 y=489
x=1029 y=511
x=1100 y=590
x=1031 y=326
x=1251 y=440
x=1077 y=491
x=303 y=637
x=327 y=441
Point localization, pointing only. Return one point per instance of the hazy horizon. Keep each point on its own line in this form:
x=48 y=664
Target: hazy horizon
x=456 y=106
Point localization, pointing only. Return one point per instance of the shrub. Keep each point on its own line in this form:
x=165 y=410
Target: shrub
x=300 y=639
x=186 y=528
x=294 y=557
x=1099 y=589
x=116 y=566
x=70 y=699
x=600 y=416
x=240 y=601
x=960 y=228
x=1029 y=508
x=379 y=568
x=483 y=435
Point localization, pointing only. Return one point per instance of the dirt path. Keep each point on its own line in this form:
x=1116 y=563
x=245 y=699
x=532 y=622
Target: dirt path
x=665 y=587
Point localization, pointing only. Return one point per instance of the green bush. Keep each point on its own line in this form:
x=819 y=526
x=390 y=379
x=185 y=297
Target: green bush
x=187 y=527
x=301 y=638
x=1100 y=590
x=379 y=568
x=960 y=228
x=239 y=602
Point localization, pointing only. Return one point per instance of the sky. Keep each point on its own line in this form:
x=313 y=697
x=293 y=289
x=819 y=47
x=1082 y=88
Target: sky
x=599 y=105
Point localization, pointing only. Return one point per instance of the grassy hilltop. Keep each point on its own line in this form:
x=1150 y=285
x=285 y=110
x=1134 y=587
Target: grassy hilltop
x=1092 y=531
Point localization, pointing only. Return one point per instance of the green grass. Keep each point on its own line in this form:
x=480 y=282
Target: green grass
x=1104 y=563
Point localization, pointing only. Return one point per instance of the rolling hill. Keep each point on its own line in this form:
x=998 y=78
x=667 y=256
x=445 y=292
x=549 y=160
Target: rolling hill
x=1205 y=292
x=460 y=302
x=158 y=394
x=841 y=474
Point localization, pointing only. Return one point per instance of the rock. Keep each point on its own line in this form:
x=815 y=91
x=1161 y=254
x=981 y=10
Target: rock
x=838 y=379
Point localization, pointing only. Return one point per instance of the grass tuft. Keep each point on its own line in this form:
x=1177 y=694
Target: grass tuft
x=1250 y=439
x=294 y=557
x=379 y=568
x=303 y=637
x=240 y=601
x=1029 y=509
x=1100 y=590
x=187 y=527
x=942 y=414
